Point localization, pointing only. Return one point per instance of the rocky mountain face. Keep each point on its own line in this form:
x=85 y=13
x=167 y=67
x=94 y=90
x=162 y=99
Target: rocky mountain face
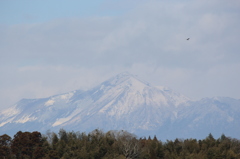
x=125 y=102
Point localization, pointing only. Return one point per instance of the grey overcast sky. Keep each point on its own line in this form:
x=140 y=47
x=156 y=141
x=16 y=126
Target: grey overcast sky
x=52 y=47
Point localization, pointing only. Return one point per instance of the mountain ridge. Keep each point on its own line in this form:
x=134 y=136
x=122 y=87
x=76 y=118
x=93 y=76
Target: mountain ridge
x=125 y=102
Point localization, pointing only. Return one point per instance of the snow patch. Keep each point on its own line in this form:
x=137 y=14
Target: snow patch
x=49 y=102
x=9 y=112
x=3 y=123
x=81 y=105
x=25 y=119
x=60 y=121
x=67 y=96
x=63 y=120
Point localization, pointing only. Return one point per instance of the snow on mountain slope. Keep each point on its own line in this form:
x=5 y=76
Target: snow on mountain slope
x=40 y=110
x=124 y=102
x=210 y=115
x=127 y=93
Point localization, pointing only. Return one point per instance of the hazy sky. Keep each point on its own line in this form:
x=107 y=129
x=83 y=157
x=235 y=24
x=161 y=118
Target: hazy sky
x=52 y=47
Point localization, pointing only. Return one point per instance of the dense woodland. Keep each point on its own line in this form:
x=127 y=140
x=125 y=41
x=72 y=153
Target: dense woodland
x=113 y=145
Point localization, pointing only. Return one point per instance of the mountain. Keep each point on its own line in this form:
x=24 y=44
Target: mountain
x=125 y=102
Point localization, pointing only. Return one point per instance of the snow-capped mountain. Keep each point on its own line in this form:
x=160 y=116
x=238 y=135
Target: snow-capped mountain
x=128 y=103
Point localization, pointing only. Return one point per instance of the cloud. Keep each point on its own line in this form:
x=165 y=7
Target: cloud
x=43 y=59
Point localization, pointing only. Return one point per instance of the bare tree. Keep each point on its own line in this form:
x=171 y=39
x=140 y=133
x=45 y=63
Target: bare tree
x=128 y=144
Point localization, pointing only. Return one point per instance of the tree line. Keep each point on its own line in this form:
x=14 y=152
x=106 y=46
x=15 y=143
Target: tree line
x=113 y=145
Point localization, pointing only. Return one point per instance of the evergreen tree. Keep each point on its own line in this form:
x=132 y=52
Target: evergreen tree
x=5 y=150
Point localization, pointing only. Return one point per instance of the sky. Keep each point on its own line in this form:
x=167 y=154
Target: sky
x=57 y=46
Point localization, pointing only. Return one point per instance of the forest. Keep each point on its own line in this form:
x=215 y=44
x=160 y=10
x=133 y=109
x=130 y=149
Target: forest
x=113 y=145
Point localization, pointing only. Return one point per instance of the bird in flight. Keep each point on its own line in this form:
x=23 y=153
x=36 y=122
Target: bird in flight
x=187 y=38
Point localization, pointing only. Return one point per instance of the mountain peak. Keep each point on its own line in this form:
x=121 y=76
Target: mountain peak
x=124 y=74
x=127 y=79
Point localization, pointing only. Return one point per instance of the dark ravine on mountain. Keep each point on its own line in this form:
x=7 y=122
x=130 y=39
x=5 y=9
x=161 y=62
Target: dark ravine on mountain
x=125 y=102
